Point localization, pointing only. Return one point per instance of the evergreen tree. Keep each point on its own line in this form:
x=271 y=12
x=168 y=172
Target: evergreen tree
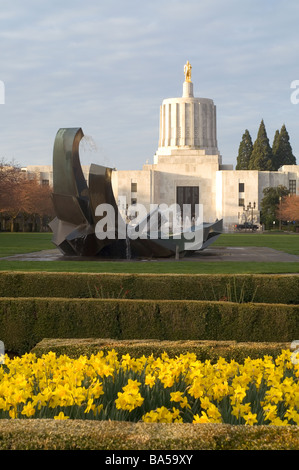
x=275 y=147
x=245 y=151
x=270 y=203
x=282 y=150
x=261 y=157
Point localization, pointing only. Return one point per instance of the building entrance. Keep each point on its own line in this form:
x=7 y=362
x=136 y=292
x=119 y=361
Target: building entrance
x=187 y=195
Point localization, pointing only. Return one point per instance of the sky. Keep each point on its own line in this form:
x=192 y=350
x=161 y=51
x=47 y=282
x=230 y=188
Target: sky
x=106 y=66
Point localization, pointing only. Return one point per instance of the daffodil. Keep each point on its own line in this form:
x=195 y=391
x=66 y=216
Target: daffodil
x=176 y=396
x=270 y=412
x=28 y=410
x=90 y=406
x=250 y=418
x=13 y=413
x=32 y=387
x=238 y=394
x=292 y=415
x=61 y=416
x=162 y=415
x=274 y=395
x=201 y=419
x=130 y=398
x=150 y=380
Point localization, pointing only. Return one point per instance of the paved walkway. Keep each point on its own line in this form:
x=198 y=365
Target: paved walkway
x=250 y=253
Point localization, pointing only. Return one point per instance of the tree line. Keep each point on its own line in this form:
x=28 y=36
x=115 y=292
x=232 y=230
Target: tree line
x=260 y=155
x=279 y=208
x=25 y=204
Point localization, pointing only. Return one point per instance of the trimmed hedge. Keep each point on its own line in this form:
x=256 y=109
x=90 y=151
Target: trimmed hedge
x=236 y=288
x=26 y=321
x=45 y=434
x=204 y=350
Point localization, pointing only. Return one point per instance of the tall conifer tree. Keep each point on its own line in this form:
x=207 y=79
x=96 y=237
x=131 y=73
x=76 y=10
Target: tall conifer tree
x=245 y=151
x=261 y=157
x=275 y=145
x=282 y=150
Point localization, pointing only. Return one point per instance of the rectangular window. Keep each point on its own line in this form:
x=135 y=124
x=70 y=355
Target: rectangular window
x=45 y=182
x=133 y=187
x=241 y=201
x=292 y=186
x=133 y=201
x=241 y=187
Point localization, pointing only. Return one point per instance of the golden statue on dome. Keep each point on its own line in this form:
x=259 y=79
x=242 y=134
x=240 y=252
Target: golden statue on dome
x=187 y=71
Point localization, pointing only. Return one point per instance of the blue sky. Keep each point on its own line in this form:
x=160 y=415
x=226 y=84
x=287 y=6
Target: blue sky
x=106 y=66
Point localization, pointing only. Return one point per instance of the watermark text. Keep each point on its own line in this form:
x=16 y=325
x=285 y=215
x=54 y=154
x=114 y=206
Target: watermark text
x=2 y=352
x=295 y=354
x=160 y=222
x=295 y=93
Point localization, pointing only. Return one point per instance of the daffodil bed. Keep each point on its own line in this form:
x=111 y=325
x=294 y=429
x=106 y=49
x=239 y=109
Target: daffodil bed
x=183 y=389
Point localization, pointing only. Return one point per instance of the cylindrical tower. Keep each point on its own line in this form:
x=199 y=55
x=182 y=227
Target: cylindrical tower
x=188 y=122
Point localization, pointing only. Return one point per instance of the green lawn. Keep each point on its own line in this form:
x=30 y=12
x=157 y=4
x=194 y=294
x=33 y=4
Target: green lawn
x=17 y=243
x=179 y=267
x=289 y=243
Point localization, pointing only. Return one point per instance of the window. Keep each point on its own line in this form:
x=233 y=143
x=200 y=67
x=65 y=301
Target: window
x=241 y=187
x=292 y=186
x=241 y=201
x=133 y=187
x=188 y=195
x=45 y=182
x=133 y=201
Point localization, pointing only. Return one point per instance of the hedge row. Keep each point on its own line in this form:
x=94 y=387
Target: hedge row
x=26 y=321
x=204 y=350
x=44 y=434
x=236 y=288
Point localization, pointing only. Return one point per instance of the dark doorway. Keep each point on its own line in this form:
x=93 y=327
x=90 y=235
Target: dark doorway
x=187 y=195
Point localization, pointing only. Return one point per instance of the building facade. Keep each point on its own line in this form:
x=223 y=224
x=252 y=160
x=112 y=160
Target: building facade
x=187 y=168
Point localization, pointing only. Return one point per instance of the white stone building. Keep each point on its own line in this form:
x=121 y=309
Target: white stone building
x=187 y=168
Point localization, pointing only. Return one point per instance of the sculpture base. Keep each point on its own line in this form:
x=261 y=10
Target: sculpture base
x=188 y=90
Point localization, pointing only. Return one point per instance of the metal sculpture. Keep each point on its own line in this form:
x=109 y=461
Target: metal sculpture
x=75 y=203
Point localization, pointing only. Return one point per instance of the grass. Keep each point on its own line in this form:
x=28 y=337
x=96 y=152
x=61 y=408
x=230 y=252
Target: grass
x=17 y=243
x=286 y=242
x=181 y=267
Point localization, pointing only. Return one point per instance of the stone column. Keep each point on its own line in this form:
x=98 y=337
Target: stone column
x=188 y=90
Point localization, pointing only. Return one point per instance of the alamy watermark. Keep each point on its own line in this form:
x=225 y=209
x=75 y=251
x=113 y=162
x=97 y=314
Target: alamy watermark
x=2 y=352
x=160 y=222
x=295 y=93
x=295 y=353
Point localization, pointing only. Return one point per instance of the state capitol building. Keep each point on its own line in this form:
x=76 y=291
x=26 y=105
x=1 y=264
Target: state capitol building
x=187 y=167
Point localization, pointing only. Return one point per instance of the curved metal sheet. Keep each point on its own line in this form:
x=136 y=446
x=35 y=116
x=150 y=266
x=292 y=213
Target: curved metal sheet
x=75 y=203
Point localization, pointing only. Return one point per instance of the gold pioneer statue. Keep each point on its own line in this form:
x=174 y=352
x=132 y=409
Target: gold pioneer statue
x=187 y=71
